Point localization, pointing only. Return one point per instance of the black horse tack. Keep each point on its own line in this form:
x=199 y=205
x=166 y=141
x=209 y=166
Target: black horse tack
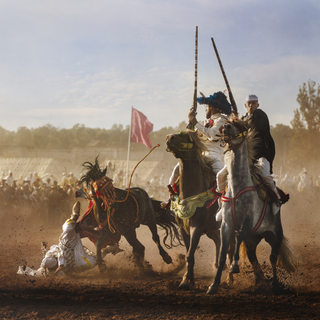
x=119 y=214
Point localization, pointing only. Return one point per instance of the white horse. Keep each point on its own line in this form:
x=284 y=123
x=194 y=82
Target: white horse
x=244 y=214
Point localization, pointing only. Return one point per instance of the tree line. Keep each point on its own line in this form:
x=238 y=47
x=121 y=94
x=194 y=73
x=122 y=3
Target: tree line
x=296 y=146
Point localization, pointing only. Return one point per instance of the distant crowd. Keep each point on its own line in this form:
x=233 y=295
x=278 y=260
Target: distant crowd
x=41 y=198
x=304 y=182
x=50 y=199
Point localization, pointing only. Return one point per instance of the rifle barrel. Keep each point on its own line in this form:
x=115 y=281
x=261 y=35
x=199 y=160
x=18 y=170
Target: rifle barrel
x=232 y=101
x=194 y=105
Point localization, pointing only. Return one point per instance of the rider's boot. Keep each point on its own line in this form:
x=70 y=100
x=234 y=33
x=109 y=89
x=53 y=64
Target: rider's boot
x=276 y=204
x=166 y=205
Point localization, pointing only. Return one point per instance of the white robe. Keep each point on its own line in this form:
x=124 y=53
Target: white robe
x=71 y=240
x=215 y=151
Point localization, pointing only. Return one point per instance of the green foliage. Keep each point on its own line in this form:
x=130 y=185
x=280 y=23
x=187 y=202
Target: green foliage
x=304 y=147
x=295 y=146
x=308 y=116
x=50 y=137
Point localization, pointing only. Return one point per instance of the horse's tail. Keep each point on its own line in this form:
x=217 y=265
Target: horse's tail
x=167 y=221
x=287 y=259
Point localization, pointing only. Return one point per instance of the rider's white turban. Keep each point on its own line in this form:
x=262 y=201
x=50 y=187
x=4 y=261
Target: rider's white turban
x=251 y=97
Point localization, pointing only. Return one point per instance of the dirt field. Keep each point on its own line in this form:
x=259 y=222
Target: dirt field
x=123 y=293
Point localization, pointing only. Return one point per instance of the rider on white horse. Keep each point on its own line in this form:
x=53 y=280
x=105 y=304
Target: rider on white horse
x=257 y=120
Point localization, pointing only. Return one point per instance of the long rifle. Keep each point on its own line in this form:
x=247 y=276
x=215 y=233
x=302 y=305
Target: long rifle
x=232 y=101
x=194 y=105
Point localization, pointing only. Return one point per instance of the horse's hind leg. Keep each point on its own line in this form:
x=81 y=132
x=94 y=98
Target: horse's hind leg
x=275 y=243
x=137 y=247
x=155 y=237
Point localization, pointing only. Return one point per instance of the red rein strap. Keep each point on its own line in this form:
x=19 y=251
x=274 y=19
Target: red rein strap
x=109 y=221
x=217 y=195
x=233 y=208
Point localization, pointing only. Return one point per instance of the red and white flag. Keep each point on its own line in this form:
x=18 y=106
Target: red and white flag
x=140 y=128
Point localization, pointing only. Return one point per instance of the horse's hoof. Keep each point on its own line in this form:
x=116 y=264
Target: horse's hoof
x=167 y=259
x=234 y=268
x=184 y=286
x=212 y=289
x=102 y=268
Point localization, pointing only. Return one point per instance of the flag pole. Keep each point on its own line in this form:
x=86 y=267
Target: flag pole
x=128 y=155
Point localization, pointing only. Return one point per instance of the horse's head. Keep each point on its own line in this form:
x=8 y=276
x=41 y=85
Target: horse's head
x=98 y=183
x=93 y=172
x=233 y=133
x=184 y=145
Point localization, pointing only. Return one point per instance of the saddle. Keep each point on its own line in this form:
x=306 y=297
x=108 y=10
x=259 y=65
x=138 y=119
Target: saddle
x=263 y=190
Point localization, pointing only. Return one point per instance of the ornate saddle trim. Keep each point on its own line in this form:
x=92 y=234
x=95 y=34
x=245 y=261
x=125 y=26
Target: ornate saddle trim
x=186 y=208
x=104 y=189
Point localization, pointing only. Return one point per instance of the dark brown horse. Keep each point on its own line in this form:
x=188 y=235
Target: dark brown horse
x=196 y=178
x=120 y=213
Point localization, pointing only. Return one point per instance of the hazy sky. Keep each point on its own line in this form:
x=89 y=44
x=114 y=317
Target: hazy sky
x=78 y=61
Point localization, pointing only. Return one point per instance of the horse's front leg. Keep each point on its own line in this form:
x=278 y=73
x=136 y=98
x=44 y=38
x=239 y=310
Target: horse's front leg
x=138 y=248
x=226 y=233
x=215 y=236
x=188 y=278
x=100 y=262
x=240 y=235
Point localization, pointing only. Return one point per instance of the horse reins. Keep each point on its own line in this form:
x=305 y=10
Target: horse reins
x=108 y=196
x=233 y=208
x=227 y=139
x=184 y=146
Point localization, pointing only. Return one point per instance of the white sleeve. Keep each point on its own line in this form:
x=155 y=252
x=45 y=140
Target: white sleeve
x=174 y=175
x=212 y=132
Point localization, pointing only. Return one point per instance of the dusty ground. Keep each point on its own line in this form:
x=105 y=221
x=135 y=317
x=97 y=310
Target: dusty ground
x=123 y=293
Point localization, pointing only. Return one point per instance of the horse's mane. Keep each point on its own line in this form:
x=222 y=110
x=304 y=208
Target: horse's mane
x=204 y=161
x=253 y=141
x=93 y=172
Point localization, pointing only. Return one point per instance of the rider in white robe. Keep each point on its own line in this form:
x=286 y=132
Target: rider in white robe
x=217 y=109
x=71 y=253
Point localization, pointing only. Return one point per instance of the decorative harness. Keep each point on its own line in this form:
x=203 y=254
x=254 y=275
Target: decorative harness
x=104 y=189
x=227 y=139
x=186 y=208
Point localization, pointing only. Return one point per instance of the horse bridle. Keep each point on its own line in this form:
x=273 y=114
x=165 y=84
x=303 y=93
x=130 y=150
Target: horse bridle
x=227 y=139
x=184 y=146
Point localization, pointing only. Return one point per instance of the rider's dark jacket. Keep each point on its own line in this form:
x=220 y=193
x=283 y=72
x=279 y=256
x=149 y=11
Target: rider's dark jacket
x=259 y=122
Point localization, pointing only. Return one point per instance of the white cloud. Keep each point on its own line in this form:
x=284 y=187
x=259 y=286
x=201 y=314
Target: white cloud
x=106 y=56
